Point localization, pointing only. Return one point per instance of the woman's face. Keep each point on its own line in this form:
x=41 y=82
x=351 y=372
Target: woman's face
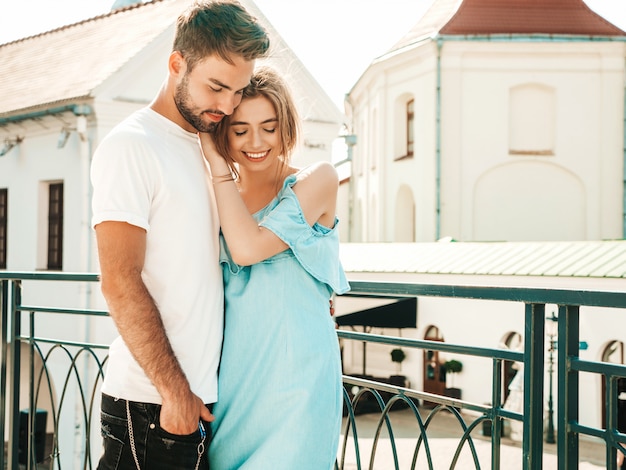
x=253 y=134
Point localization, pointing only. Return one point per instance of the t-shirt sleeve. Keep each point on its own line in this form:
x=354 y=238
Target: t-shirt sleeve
x=316 y=248
x=124 y=178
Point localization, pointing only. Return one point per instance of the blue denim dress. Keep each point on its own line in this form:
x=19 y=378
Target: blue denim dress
x=280 y=400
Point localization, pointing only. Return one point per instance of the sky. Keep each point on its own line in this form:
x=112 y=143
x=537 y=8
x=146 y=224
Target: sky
x=336 y=40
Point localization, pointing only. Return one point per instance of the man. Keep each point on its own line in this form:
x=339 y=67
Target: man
x=157 y=232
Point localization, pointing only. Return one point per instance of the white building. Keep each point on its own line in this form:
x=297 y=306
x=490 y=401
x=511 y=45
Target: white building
x=492 y=121
x=500 y=125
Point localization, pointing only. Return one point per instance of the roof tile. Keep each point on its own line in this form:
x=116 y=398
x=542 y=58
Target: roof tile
x=70 y=62
x=568 y=17
x=508 y=17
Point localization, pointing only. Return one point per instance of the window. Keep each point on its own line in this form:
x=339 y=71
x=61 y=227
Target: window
x=404 y=131
x=55 y=226
x=4 y=209
x=532 y=120
x=410 y=121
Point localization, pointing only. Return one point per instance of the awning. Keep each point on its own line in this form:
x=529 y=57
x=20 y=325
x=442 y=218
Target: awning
x=381 y=312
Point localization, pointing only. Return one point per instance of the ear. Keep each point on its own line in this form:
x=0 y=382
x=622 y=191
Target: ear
x=177 y=64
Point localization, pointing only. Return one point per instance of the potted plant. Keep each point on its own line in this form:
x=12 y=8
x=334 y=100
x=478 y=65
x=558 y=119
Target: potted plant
x=397 y=356
x=453 y=367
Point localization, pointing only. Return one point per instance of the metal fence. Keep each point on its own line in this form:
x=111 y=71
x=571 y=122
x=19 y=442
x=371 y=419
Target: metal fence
x=76 y=370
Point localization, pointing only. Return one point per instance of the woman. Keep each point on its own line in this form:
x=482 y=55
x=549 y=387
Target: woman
x=279 y=403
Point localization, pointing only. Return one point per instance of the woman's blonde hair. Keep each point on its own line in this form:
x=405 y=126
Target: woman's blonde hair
x=266 y=82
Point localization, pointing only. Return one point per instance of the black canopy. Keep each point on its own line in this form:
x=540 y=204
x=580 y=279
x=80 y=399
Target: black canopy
x=375 y=311
x=396 y=313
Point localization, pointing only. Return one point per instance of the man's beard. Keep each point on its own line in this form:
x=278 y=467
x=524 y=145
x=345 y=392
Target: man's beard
x=182 y=100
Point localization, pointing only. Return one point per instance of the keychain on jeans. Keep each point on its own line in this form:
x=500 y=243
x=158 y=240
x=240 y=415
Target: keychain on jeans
x=131 y=438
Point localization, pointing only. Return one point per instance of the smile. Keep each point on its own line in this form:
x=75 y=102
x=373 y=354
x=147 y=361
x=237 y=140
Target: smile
x=255 y=156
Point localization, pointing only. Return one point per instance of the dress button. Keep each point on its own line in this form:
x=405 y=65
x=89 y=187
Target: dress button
x=152 y=426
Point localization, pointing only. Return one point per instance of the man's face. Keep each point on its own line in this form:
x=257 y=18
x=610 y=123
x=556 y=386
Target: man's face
x=211 y=90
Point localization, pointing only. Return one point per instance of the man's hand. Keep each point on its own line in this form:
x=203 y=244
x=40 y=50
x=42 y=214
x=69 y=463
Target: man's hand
x=182 y=414
x=332 y=313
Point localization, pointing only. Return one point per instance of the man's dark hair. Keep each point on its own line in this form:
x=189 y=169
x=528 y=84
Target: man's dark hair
x=222 y=27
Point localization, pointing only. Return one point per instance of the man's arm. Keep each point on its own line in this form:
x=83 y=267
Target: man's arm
x=121 y=250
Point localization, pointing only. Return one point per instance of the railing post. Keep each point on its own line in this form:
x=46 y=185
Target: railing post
x=534 y=328
x=14 y=388
x=568 y=395
x=496 y=424
x=610 y=412
x=4 y=315
x=32 y=408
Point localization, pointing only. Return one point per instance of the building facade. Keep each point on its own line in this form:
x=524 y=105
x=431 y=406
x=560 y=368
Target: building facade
x=492 y=121
x=498 y=126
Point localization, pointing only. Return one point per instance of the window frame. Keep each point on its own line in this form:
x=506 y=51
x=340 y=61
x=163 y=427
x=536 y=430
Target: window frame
x=4 y=223
x=55 y=227
x=409 y=137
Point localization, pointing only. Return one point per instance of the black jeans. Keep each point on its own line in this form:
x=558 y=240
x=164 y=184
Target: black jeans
x=155 y=448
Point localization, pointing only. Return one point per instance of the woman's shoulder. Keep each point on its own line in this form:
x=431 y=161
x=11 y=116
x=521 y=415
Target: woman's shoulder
x=319 y=173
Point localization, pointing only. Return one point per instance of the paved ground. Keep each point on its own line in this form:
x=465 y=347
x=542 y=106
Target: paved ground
x=444 y=433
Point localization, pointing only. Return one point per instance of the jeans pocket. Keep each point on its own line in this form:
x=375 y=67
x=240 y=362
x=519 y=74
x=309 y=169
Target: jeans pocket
x=176 y=451
x=114 y=432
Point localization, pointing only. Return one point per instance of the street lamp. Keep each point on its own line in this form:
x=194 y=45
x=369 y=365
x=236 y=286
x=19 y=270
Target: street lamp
x=551 y=332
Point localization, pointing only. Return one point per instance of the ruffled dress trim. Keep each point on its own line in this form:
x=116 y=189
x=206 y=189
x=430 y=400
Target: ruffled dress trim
x=316 y=248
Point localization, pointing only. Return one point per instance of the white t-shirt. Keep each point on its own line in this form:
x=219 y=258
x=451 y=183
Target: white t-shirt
x=150 y=173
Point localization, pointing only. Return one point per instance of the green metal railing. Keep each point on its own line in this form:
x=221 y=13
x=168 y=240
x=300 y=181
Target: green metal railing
x=81 y=381
x=73 y=387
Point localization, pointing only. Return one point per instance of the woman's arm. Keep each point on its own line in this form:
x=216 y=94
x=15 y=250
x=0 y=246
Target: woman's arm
x=249 y=243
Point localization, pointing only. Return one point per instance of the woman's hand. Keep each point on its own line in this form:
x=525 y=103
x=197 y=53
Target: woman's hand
x=217 y=162
x=208 y=147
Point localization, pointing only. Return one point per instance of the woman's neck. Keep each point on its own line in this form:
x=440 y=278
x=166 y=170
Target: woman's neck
x=259 y=188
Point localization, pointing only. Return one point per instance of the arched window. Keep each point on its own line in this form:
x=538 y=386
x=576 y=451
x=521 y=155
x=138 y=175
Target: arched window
x=404 y=127
x=434 y=373
x=410 y=130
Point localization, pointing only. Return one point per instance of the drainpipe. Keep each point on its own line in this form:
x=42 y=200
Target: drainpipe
x=82 y=112
x=438 y=144
x=351 y=141
x=85 y=165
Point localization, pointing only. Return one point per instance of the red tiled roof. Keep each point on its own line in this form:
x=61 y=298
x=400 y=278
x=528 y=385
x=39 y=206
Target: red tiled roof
x=479 y=17
x=568 y=17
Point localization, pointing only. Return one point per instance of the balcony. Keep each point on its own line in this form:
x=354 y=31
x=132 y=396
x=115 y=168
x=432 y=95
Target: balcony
x=53 y=363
